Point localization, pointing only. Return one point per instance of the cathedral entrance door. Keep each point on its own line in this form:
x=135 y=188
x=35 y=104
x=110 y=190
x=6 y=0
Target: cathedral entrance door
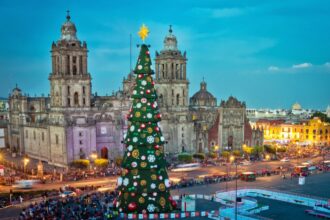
x=104 y=153
x=230 y=142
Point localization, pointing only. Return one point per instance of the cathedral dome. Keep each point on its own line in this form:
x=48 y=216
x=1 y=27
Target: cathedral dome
x=170 y=42
x=203 y=97
x=296 y=106
x=68 y=30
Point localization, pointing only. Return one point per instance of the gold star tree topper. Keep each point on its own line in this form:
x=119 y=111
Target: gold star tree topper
x=144 y=32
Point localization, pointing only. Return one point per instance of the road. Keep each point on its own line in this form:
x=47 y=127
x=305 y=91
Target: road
x=211 y=170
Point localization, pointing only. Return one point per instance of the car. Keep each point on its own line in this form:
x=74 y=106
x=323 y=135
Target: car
x=245 y=163
x=285 y=159
x=68 y=194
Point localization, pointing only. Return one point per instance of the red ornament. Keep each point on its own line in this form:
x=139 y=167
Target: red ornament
x=153 y=83
x=173 y=203
x=157 y=128
x=148 y=91
x=147 y=52
x=159 y=115
x=132 y=206
x=140 y=76
x=157 y=147
x=142 y=126
x=132 y=194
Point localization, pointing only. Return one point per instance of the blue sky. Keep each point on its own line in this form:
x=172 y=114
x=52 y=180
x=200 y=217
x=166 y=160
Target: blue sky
x=267 y=53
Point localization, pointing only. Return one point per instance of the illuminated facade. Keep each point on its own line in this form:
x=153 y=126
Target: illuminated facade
x=310 y=132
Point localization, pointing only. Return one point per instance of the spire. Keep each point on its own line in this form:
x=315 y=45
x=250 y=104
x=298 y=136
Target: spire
x=203 y=84
x=170 y=30
x=68 y=15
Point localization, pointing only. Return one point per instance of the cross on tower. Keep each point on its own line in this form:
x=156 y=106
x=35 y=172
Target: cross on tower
x=68 y=15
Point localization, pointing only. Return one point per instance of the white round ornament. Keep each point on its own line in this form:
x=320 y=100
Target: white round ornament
x=150 y=139
x=151 y=158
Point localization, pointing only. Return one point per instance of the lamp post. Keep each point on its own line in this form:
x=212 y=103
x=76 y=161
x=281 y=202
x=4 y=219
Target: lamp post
x=233 y=159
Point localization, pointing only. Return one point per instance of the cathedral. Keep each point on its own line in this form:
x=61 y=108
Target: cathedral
x=73 y=122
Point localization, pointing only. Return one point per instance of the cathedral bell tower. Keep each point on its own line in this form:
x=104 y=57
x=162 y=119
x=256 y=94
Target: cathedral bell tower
x=172 y=88
x=70 y=81
x=171 y=77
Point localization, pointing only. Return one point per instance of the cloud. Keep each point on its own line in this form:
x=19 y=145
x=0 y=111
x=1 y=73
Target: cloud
x=220 y=12
x=301 y=65
x=327 y=64
x=273 y=68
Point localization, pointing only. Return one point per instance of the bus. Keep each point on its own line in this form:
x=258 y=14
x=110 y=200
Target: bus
x=24 y=184
x=186 y=167
x=248 y=176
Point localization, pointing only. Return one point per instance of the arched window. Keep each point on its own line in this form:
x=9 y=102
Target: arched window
x=76 y=99
x=177 y=99
x=69 y=102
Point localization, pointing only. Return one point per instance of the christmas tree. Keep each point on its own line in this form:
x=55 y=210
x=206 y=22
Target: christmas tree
x=144 y=184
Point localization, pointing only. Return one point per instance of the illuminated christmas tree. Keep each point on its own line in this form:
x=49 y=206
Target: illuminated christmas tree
x=144 y=184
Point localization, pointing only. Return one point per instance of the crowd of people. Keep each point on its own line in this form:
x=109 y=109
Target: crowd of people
x=91 y=206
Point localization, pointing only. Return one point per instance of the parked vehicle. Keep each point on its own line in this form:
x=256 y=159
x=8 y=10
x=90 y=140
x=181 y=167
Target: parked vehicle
x=285 y=159
x=186 y=167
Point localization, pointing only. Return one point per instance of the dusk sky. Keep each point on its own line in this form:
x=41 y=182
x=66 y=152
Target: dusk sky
x=267 y=53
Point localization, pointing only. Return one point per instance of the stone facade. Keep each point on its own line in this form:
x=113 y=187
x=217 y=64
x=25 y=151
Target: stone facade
x=72 y=122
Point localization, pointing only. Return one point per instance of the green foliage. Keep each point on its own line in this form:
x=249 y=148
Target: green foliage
x=212 y=155
x=144 y=182
x=225 y=154
x=247 y=150
x=281 y=149
x=257 y=150
x=237 y=153
x=101 y=162
x=200 y=156
x=185 y=158
x=81 y=163
x=270 y=149
x=322 y=116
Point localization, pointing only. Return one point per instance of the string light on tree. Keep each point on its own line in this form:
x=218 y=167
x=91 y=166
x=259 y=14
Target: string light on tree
x=144 y=184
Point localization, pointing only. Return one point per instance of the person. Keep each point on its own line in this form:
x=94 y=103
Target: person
x=20 y=199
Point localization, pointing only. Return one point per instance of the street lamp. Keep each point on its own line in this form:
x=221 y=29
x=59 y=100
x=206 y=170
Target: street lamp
x=26 y=160
x=267 y=157
x=233 y=159
x=93 y=157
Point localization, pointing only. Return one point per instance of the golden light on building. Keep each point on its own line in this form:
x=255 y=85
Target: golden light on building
x=311 y=132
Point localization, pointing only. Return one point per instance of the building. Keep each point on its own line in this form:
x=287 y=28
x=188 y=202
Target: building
x=308 y=132
x=73 y=122
x=3 y=122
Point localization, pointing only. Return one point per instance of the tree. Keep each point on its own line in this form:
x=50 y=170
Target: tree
x=322 y=116
x=200 y=156
x=247 y=150
x=237 y=153
x=225 y=154
x=144 y=184
x=257 y=150
x=186 y=158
